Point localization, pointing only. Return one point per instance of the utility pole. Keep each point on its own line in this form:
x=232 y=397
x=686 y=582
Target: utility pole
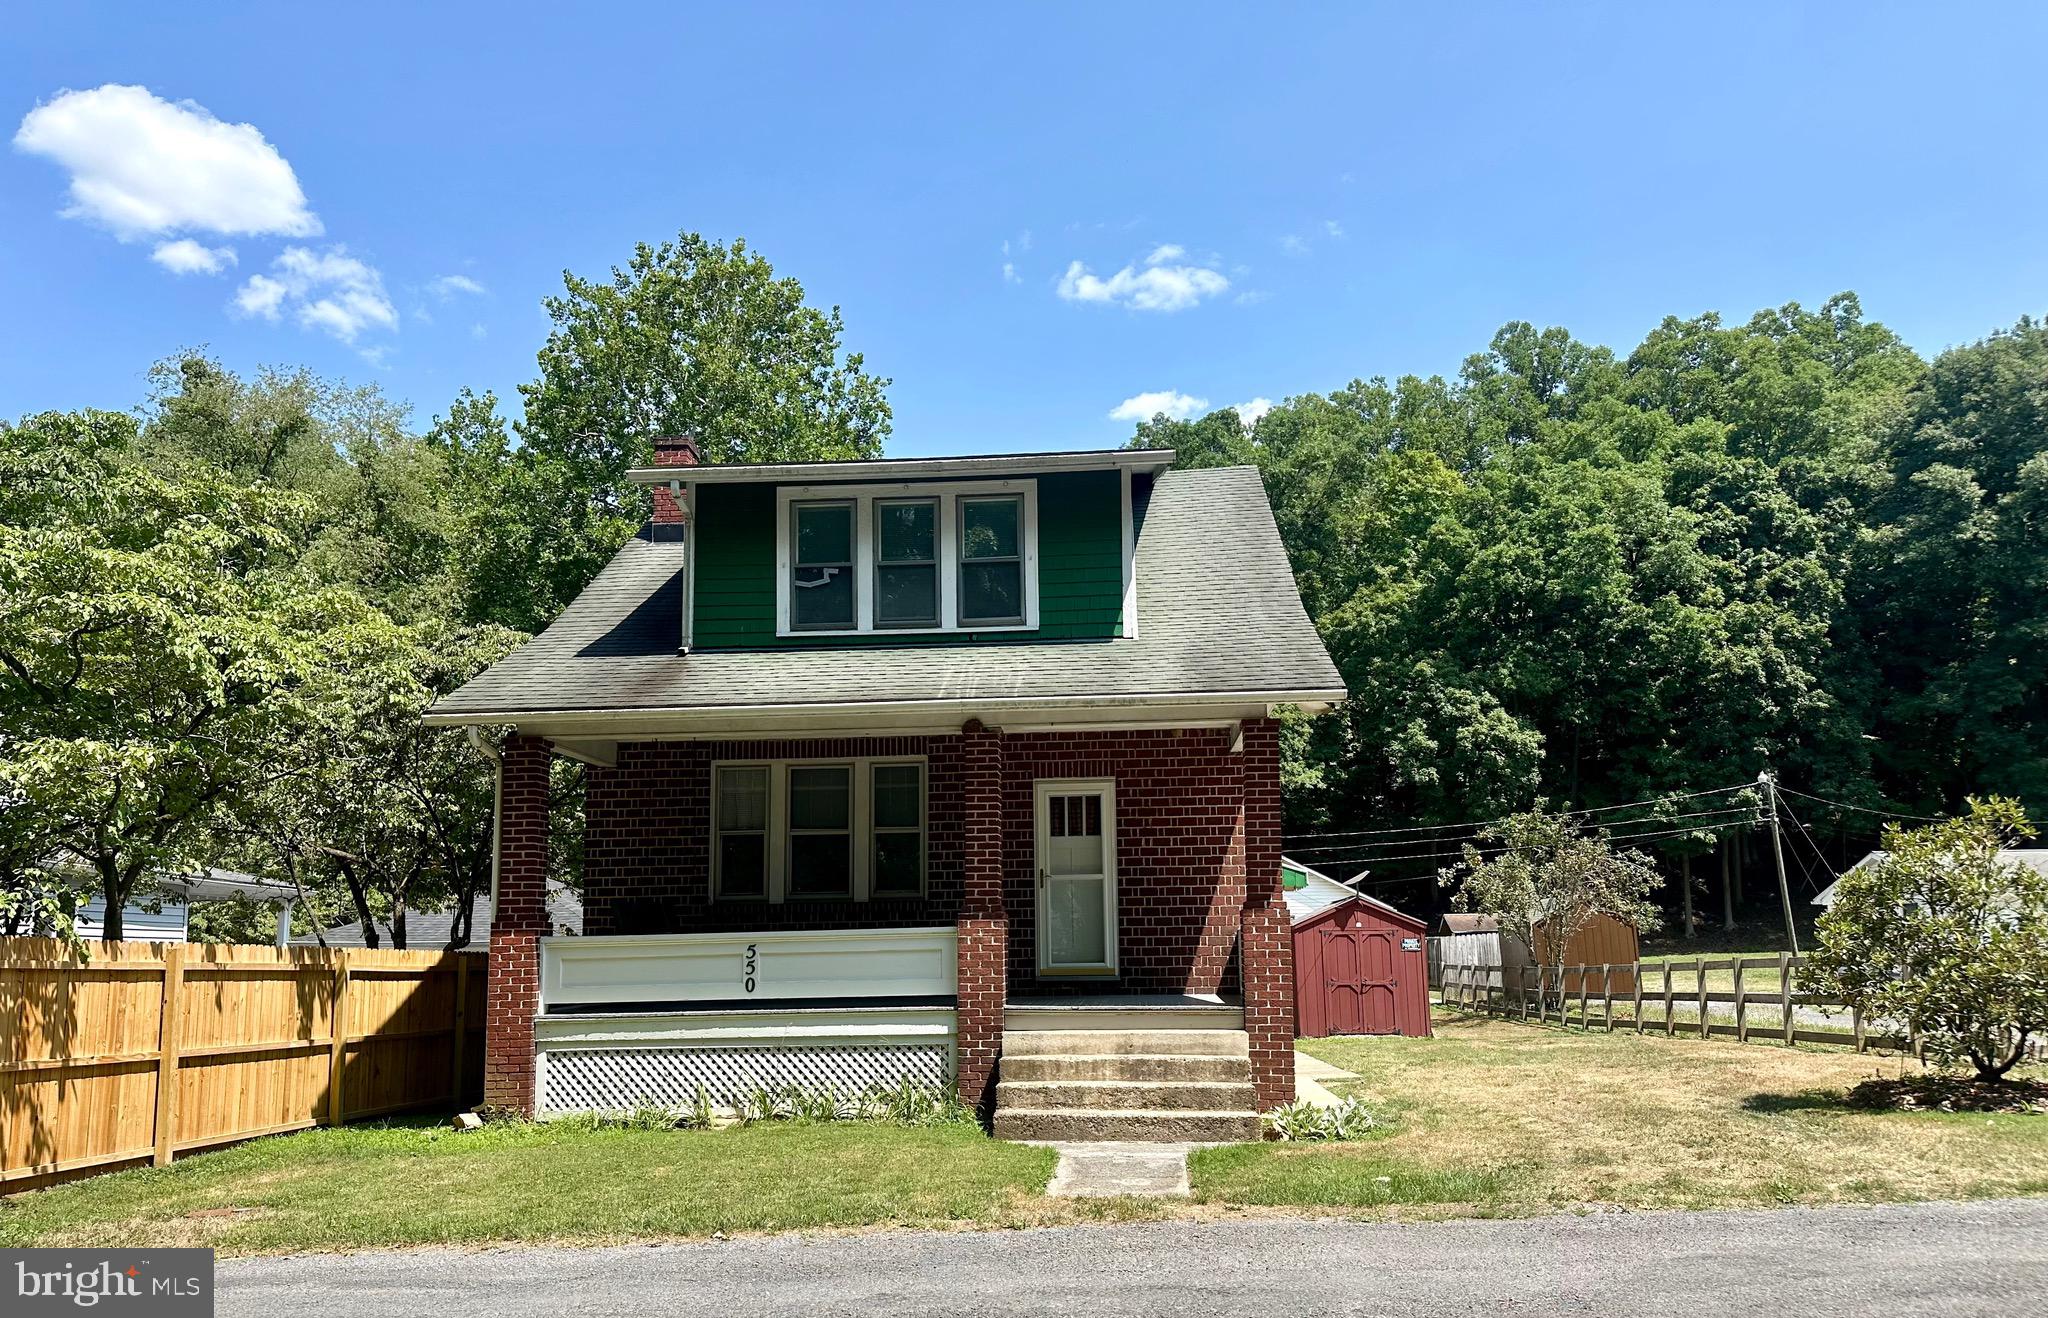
x=1770 y=786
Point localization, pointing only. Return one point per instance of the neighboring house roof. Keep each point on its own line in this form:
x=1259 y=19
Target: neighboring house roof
x=1310 y=892
x=427 y=931
x=2034 y=858
x=1218 y=614
x=1459 y=922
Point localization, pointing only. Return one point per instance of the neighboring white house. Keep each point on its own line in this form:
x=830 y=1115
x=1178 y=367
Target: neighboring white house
x=2035 y=859
x=174 y=898
x=429 y=931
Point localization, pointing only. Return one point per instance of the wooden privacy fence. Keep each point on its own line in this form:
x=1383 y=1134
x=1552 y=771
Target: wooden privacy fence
x=1729 y=997
x=148 y=1050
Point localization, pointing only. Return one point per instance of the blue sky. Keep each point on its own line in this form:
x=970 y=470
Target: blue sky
x=1261 y=201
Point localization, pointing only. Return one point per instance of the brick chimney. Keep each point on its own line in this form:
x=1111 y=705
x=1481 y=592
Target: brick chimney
x=672 y=451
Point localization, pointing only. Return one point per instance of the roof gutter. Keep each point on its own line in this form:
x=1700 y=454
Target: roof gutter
x=1148 y=460
x=1313 y=701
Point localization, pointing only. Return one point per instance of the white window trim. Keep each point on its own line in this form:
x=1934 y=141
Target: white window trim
x=861 y=822
x=864 y=555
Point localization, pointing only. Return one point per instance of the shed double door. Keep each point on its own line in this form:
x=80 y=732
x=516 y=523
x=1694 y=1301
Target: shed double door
x=1359 y=972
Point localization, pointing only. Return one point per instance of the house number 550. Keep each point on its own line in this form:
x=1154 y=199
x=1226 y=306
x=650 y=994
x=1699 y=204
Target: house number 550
x=753 y=965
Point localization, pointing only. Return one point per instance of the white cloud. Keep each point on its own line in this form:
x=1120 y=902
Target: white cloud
x=1143 y=407
x=186 y=257
x=1294 y=244
x=1010 y=275
x=142 y=165
x=1158 y=287
x=1248 y=413
x=1166 y=252
x=1333 y=228
x=330 y=291
x=448 y=286
x=1251 y=297
x=477 y=330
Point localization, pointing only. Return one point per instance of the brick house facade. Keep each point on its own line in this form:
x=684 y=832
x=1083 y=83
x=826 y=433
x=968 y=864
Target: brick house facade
x=1099 y=810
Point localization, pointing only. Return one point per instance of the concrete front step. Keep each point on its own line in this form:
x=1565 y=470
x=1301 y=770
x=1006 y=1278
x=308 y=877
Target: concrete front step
x=1126 y=1124
x=1125 y=1095
x=1087 y=1043
x=1126 y=1066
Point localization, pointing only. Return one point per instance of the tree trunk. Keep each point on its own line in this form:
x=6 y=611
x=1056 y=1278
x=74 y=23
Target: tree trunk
x=114 y=895
x=361 y=897
x=1685 y=886
x=1727 y=889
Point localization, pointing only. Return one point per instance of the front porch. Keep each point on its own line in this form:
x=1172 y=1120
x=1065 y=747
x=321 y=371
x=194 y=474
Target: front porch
x=746 y=927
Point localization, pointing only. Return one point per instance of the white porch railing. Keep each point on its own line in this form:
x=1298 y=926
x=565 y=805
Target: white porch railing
x=639 y=972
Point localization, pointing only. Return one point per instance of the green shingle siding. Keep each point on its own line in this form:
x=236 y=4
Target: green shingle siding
x=1080 y=568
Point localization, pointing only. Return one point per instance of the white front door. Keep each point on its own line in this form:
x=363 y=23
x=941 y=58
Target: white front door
x=1076 y=876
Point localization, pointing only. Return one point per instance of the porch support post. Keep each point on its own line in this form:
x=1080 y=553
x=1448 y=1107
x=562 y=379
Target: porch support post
x=513 y=997
x=984 y=929
x=1266 y=950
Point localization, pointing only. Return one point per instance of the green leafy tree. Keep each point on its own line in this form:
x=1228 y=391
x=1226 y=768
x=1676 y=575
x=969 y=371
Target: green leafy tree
x=156 y=660
x=1546 y=877
x=691 y=337
x=1946 y=935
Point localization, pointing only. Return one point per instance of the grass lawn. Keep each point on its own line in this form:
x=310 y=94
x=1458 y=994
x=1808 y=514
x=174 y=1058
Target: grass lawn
x=1496 y=1117
x=418 y=1183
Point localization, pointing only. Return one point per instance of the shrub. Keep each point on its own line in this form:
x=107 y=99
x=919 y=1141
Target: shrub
x=1946 y=935
x=1348 y=1120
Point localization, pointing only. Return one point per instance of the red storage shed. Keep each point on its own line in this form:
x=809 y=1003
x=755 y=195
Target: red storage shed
x=1359 y=964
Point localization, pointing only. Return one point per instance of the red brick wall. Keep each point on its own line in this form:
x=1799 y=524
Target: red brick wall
x=1180 y=867
x=1267 y=955
x=513 y=982
x=1180 y=875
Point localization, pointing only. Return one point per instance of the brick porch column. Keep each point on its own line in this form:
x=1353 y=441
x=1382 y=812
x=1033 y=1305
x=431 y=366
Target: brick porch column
x=513 y=997
x=984 y=929
x=1266 y=952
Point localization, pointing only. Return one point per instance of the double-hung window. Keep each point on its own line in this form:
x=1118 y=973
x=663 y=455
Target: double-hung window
x=992 y=560
x=906 y=562
x=907 y=558
x=822 y=594
x=796 y=831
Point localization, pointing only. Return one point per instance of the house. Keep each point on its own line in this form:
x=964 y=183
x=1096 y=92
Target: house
x=1359 y=964
x=946 y=768
x=165 y=915
x=431 y=931
x=2034 y=858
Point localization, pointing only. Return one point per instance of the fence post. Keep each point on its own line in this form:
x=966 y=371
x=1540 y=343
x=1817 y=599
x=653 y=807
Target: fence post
x=1670 y=1020
x=1607 y=995
x=1585 y=1012
x=461 y=1006
x=1741 y=1004
x=337 y=1026
x=1699 y=967
x=170 y=1026
x=1635 y=974
x=1785 y=991
x=1856 y=1023
x=1522 y=989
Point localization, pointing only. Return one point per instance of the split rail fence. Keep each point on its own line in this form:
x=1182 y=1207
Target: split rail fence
x=148 y=1050
x=1741 y=998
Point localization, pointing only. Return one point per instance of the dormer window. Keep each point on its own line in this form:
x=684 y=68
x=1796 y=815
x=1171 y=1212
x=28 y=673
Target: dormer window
x=907 y=558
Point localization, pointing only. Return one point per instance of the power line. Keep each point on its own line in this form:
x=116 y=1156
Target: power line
x=1498 y=850
x=1358 y=850
x=1864 y=809
x=1813 y=846
x=1481 y=823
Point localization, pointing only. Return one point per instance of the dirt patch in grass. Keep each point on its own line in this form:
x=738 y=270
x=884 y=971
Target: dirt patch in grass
x=1942 y=1093
x=1520 y=1118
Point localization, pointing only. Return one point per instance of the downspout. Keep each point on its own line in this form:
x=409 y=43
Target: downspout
x=490 y=752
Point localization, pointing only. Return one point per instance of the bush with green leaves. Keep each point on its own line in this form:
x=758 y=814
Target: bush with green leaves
x=1350 y=1119
x=1946 y=935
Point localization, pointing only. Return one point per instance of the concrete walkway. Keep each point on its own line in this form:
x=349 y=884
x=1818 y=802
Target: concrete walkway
x=1100 y=1170
x=1309 y=1075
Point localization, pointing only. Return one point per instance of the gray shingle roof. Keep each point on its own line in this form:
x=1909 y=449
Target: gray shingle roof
x=1218 y=613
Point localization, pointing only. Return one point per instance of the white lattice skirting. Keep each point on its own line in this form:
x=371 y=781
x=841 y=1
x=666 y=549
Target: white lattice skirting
x=621 y=1079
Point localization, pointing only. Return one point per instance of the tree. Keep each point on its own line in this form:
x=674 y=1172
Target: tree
x=1546 y=876
x=155 y=656
x=1947 y=936
x=691 y=337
